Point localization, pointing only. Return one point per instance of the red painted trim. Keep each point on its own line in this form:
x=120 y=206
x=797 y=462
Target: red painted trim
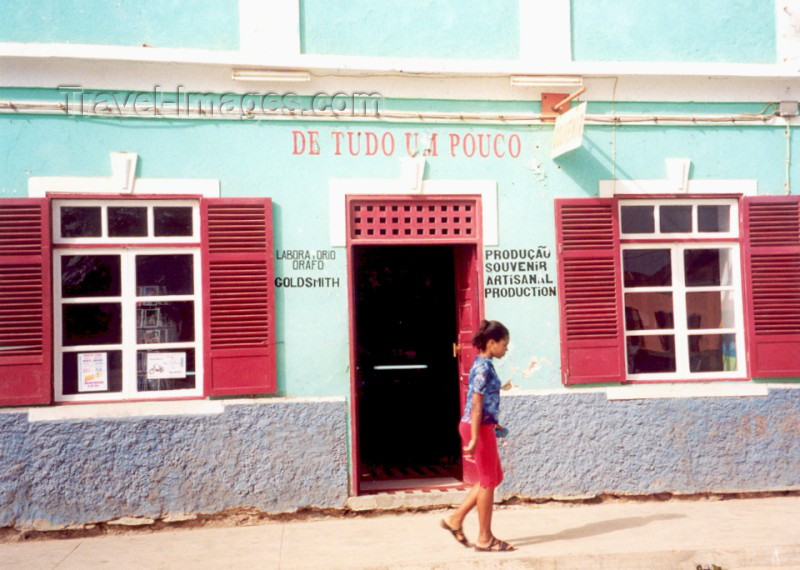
x=687 y=381
x=174 y=399
x=126 y=245
x=667 y=241
x=355 y=456
x=476 y=240
x=107 y=197
x=707 y=197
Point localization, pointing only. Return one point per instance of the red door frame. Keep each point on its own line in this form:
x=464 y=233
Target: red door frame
x=475 y=240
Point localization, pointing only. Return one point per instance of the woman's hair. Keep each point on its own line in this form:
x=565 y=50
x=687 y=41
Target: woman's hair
x=489 y=330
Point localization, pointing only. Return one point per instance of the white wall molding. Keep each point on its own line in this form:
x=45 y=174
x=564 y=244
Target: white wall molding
x=545 y=34
x=122 y=182
x=105 y=77
x=340 y=188
x=364 y=65
x=197 y=71
x=611 y=188
x=787 y=20
x=269 y=27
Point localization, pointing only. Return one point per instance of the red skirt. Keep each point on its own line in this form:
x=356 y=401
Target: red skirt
x=486 y=458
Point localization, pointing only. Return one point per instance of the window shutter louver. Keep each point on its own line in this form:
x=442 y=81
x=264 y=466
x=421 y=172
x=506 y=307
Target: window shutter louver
x=592 y=337
x=238 y=300
x=25 y=303
x=772 y=275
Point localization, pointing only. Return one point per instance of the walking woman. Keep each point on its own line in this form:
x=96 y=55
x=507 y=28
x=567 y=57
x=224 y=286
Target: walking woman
x=477 y=428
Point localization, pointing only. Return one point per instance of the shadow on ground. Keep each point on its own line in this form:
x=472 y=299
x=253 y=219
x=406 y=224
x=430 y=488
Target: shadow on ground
x=593 y=529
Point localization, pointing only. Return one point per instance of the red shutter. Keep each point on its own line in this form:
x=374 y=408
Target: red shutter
x=25 y=313
x=592 y=337
x=772 y=285
x=238 y=301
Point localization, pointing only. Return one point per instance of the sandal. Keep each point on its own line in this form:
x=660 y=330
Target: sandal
x=495 y=545
x=458 y=533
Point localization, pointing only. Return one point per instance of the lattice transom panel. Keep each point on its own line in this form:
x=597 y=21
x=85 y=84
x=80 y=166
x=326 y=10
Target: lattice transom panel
x=401 y=219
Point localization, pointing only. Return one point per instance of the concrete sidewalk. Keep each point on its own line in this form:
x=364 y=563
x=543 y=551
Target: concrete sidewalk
x=740 y=533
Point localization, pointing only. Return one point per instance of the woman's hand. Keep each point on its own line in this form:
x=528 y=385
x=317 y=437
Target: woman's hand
x=469 y=450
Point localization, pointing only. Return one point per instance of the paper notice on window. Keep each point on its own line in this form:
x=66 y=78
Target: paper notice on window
x=92 y=371
x=161 y=365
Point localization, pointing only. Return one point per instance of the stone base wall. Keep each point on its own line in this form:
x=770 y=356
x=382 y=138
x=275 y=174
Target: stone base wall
x=277 y=456
x=283 y=455
x=585 y=445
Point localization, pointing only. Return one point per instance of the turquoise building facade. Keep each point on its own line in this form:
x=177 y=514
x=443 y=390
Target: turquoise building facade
x=350 y=383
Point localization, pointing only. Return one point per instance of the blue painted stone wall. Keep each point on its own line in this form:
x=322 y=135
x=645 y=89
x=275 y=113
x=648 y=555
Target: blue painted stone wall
x=583 y=444
x=283 y=455
x=277 y=457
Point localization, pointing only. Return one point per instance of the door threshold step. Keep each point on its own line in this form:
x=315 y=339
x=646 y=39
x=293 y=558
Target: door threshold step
x=415 y=484
x=409 y=498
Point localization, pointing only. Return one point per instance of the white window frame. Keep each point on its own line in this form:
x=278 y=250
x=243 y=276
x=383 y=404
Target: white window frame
x=106 y=239
x=677 y=243
x=733 y=222
x=127 y=249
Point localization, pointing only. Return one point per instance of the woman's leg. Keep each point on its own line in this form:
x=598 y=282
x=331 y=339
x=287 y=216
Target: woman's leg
x=485 y=502
x=456 y=520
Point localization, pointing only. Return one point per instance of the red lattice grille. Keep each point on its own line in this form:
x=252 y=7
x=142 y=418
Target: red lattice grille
x=774 y=224
x=21 y=230
x=587 y=227
x=776 y=293
x=440 y=220
x=236 y=228
x=590 y=299
x=21 y=310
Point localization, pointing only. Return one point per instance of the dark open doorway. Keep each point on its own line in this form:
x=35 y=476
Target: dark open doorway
x=407 y=378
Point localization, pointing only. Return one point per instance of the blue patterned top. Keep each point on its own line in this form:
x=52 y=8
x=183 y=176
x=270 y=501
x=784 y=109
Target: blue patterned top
x=483 y=380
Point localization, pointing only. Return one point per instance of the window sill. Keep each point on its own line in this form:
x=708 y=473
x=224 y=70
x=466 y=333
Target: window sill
x=692 y=390
x=665 y=391
x=125 y=410
x=140 y=409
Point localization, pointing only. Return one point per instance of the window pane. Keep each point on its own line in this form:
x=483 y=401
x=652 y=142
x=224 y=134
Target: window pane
x=714 y=218
x=712 y=353
x=648 y=311
x=80 y=221
x=161 y=322
x=710 y=310
x=651 y=353
x=646 y=267
x=169 y=369
x=91 y=323
x=707 y=267
x=127 y=222
x=110 y=382
x=173 y=221
x=675 y=219
x=637 y=220
x=90 y=276
x=164 y=275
